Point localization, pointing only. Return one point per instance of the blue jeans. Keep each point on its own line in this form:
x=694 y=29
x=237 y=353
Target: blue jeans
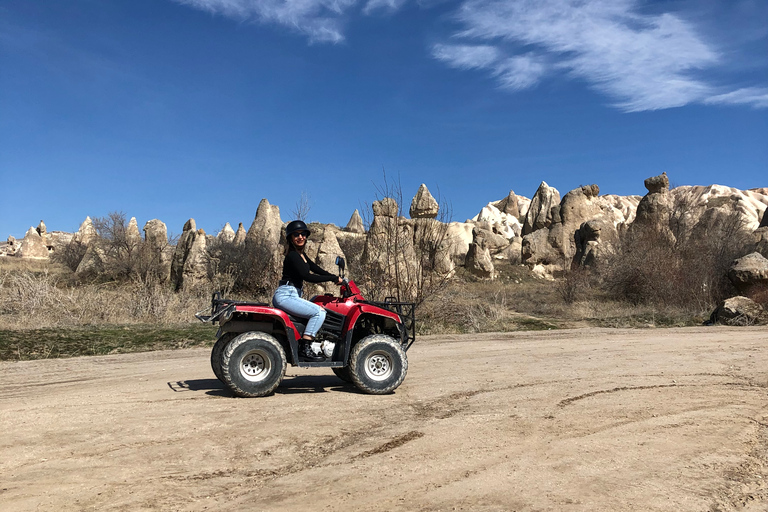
x=287 y=298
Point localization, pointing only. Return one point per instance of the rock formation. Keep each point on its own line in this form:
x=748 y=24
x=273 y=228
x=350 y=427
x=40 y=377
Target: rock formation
x=156 y=238
x=749 y=273
x=33 y=246
x=653 y=211
x=267 y=227
x=423 y=205
x=539 y=213
x=327 y=251
x=92 y=262
x=739 y=311
x=509 y=205
x=132 y=234
x=87 y=232
x=227 y=234
x=355 y=224
x=240 y=235
x=478 y=260
x=181 y=253
x=386 y=207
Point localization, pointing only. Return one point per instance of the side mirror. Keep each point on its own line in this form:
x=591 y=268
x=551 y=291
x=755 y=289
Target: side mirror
x=340 y=263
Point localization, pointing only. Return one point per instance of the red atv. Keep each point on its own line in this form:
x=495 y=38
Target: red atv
x=364 y=341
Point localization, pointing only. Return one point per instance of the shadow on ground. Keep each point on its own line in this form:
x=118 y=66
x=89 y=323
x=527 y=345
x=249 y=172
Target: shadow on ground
x=289 y=385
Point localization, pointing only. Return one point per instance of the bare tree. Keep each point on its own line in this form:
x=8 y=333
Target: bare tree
x=404 y=258
x=302 y=207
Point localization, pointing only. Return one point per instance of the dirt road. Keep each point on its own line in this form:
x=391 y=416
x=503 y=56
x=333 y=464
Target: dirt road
x=576 y=420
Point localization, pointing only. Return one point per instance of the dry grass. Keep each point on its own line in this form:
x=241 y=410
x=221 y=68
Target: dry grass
x=40 y=295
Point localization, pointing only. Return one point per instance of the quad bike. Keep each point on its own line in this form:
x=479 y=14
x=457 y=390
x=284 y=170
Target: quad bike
x=364 y=341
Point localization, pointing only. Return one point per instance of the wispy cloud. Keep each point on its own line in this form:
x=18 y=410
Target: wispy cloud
x=320 y=20
x=517 y=73
x=642 y=61
x=755 y=96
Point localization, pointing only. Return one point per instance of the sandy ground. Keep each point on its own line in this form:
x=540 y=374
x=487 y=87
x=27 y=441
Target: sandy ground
x=589 y=419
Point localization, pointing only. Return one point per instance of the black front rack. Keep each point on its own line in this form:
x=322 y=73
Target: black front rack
x=407 y=311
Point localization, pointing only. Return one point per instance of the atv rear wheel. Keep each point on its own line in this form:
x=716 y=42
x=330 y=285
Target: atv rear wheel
x=217 y=351
x=253 y=364
x=378 y=364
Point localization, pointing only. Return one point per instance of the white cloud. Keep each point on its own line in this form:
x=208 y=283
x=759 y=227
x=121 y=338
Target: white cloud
x=389 y=5
x=320 y=20
x=467 y=56
x=518 y=72
x=644 y=62
x=754 y=96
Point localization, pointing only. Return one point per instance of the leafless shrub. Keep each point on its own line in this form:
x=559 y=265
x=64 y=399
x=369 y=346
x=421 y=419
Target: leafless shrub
x=575 y=284
x=645 y=269
x=70 y=255
x=245 y=269
x=302 y=208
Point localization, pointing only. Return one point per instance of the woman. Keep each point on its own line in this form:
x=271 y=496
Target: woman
x=297 y=268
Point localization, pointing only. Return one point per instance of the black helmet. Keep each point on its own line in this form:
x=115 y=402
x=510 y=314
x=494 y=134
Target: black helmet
x=296 y=226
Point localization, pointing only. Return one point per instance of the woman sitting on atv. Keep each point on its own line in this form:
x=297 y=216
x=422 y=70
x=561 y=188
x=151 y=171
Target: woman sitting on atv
x=297 y=268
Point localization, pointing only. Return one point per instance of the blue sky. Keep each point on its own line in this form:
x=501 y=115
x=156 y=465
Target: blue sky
x=174 y=109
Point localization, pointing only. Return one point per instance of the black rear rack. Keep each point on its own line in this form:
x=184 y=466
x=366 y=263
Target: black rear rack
x=407 y=311
x=219 y=305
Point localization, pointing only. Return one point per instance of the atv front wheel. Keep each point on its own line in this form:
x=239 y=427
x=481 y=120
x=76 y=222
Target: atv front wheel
x=343 y=373
x=378 y=364
x=217 y=351
x=253 y=364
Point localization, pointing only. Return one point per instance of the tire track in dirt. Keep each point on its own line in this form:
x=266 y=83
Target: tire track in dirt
x=568 y=401
x=746 y=485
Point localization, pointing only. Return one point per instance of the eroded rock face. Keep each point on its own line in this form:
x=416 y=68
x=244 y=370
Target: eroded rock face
x=591 y=241
x=692 y=201
x=509 y=205
x=33 y=246
x=653 y=211
x=458 y=238
x=156 y=234
x=479 y=260
x=749 y=273
x=11 y=246
x=761 y=240
x=386 y=207
x=181 y=253
x=189 y=266
x=355 y=224
x=156 y=238
x=87 y=232
x=132 y=234
x=327 y=252
x=739 y=311
x=423 y=205
x=227 y=234
x=267 y=227
x=240 y=235
x=92 y=262
x=501 y=223
x=539 y=214
x=195 y=269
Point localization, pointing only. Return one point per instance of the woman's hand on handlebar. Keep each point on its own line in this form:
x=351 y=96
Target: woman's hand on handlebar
x=340 y=281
